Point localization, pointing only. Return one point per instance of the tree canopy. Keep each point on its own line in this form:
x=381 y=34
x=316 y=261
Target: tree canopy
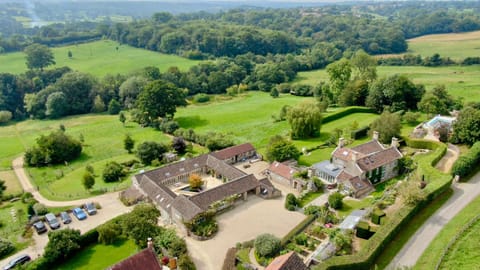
x=305 y=120
x=39 y=56
x=466 y=129
x=388 y=125
x=281 y=149
x=55 y=148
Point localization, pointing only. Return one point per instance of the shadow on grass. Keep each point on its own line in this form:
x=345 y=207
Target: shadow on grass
x=191 y=121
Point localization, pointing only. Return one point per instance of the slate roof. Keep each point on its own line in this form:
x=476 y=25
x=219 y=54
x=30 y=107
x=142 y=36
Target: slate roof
x=157 y=192
x=282 y=170
x=358 y=184
x=289 y=261
x=232 y=151
x=240 y=185
x=369 y=147
x=379 y=159
x=145 y=259
x=187 y=208
x=223 y=168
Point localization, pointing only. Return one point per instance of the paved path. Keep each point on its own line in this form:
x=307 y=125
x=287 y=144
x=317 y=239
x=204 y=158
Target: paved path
x=111 y=207
x=463 y=194
x=445 y=164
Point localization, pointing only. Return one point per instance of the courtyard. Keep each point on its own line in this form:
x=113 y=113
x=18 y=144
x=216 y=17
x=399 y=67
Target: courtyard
x=242 y=223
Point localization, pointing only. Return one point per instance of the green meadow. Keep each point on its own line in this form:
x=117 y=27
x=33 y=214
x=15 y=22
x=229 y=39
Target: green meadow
x=100 y=58
x=460 y=81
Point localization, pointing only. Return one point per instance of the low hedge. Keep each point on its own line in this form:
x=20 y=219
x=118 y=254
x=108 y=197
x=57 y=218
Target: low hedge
x=377 y=216
x=342 y=113
x=297 y=229
x=363 y=230
x=359 y=133
x=438 y=183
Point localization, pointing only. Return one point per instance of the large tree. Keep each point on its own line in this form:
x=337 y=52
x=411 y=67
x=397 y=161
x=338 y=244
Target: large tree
x=280 y=149
x=159 y=99
x=55 y=148
x=339 y=74
x=364 y=66
x=436 y=101
x=305 y=120
x=388 y=125
x=467 y=127
x=39 y=56
x=148 y=151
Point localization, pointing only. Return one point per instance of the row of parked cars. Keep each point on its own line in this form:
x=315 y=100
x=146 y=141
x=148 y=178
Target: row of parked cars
x=52 y=220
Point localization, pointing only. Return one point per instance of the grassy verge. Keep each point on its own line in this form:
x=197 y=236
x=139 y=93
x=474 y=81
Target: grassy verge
x=309 y=197
x=100 y=256
x=433 y=253
x=100 y=58
x=409 y=229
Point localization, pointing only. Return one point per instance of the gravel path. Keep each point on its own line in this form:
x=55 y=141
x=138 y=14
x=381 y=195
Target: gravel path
x=463 y=194
x=111 y=207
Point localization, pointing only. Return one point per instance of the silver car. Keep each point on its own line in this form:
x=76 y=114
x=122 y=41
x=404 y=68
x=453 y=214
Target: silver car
x=52 y=221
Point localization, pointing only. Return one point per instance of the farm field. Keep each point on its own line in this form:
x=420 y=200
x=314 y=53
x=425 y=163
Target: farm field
x=457 y=46
x=100 y=58
x=460 y=81
x=465 y=252
x=100 y=256
x=103 y=141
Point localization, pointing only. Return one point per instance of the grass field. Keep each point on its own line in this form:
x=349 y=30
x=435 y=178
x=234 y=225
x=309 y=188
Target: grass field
x=103 y=135
x=460 y=81
x=100 y=58
x=100 y=256
x=13 y=217
x=13 y=186
x=463 y=257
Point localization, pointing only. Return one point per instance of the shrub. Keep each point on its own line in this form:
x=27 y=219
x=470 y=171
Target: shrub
x=359 y=133
x=114 y=107
x=377 y=216
x=61 y=244
x=185 y=263
x=467 y=163
x=267 y=245
x=411 y=117
x=335 y=200
x=301 y=239
x=297 y=229
x=5 y=116
x=291 y=202
x=40 y=209
x=112 y=172
x=109 y=232
x=201 y=98
x=363 y=230
x=6 y=248
x=311 y=210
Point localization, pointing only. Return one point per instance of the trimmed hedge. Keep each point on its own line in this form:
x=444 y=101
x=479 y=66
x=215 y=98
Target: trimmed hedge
x=377 y=216
x=359 y=133
x=438 y=183
x=363 y=230
x=342 y=113
x=297 y=229
x=467 y=163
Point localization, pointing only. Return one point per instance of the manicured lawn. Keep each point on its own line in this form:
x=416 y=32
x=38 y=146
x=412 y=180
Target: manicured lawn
x=432 y=254
x=100 y=58
x=13 y=217
x=460 y=81
x=103 y=141
x=409 y=229
x=100 y=256
x=309 y=197
x=351 y=204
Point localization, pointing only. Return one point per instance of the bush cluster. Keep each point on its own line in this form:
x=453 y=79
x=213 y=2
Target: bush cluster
x=212 y=140
x=467 y=163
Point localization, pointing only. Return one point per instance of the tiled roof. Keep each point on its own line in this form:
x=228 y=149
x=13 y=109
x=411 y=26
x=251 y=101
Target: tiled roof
x=369 y=147
x=346 y=154
x=266 y=182
x=223 y=168
x=145 y=259
x=379 y=159
x=187 y=208
x=289 y=261
x=157 y=192
x=282 y=170
x=359 y=184
x=343 y=176
x=233 y=151
x=240 y=185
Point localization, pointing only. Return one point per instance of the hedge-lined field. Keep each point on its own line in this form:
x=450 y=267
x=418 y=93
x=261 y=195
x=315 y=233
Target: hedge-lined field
x=100 y=58
x=460 y=81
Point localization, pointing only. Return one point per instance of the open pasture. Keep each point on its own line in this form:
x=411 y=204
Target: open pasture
x=460 y=81
x=100 y=58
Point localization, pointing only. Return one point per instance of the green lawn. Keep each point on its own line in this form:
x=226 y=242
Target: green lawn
x=460 y=81
x=409 y=230
x=13 y=186
x=13 y=217
x=466 y=257
x=352 y=204
x=100 y=58
x=100 y=256
x=103 y=135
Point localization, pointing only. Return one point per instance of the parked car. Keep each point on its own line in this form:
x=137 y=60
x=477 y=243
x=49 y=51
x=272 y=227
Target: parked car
x=65 y=217
x=22 y=259
x=91 y=209
x=40 y=227
x=52 y=221
x=79 y=213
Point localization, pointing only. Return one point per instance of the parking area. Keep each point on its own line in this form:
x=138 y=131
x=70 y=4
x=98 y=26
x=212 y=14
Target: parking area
x=246 y=221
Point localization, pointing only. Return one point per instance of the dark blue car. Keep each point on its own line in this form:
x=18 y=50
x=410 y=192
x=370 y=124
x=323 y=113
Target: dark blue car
x=79 y=213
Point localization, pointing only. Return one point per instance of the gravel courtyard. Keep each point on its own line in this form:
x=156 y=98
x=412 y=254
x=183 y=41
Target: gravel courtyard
x=244 y=222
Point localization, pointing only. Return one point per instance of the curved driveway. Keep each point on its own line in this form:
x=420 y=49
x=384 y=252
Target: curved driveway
x=111 y=207
x=463 y=194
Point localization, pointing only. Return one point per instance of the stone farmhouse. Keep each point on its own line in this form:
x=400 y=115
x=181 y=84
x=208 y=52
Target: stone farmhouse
x=357 y=169
x=177 y=208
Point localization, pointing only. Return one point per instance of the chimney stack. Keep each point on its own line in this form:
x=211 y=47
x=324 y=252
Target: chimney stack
x=394 y=142
x=341 y=142
x=375 y=135
x=354 y=156
x=149 y=243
